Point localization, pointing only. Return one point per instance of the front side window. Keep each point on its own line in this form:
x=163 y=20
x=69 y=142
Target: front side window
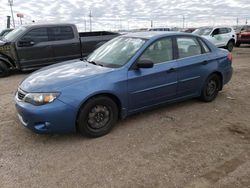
x=36 y=35
x=159 y=52
x=61 y=33
x=216 y=32
x=188 y=47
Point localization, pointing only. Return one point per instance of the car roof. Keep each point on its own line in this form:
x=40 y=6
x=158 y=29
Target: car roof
x=154 y=34
x=47 y=25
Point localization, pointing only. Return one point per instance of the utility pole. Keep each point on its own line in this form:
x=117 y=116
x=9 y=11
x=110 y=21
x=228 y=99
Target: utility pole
x=246 y=21
x=237 y=21
x=8 y=22
x=183 y=21
x=11 y=4
x=152 y=23
x=90 y=21
x=85 y=24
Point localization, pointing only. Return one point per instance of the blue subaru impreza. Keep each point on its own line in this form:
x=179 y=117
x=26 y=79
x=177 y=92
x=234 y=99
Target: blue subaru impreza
x=126 y=75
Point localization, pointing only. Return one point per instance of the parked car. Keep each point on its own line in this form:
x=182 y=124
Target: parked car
x=5 y=32
x=159 y=29
x=128 y=74
x=243 y=35
x=35 y=46
x=189 y=30
x=222 y=37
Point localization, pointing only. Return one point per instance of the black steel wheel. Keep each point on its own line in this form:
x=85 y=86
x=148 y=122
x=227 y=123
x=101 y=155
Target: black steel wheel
x=98 y=116
x=211 y=88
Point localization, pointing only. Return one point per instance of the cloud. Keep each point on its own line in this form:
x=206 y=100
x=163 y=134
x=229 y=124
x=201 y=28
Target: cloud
x=123 y=14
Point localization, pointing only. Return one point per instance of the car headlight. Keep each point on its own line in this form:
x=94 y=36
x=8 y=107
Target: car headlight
x=40 y=98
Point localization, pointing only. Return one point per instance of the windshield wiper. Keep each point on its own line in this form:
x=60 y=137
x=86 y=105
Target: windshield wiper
x=94 y=63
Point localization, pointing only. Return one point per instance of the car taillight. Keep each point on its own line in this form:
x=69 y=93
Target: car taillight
x=230 y=57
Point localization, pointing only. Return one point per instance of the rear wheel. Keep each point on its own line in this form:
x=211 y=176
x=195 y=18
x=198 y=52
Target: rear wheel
x=4 y=69
x=230 y=46
x=237 y=44
x=211 y=88
x=98 y=116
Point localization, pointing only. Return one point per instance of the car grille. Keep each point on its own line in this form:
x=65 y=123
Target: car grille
x=245 y=37
x=20 y=94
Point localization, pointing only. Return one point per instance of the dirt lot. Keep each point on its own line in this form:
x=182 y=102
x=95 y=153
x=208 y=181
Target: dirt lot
x=189 y=144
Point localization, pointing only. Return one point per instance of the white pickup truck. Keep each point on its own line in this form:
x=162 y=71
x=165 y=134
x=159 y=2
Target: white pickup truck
x=222 y=37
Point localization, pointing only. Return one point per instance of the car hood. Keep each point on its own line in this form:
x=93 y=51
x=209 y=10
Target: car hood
x=2 y=43
x=54 y=78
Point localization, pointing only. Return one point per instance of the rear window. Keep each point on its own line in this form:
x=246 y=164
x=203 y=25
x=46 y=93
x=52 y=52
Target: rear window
x=61 y=33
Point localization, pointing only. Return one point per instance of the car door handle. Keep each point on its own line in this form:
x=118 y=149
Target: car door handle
x=204 y=62
x=171 y=70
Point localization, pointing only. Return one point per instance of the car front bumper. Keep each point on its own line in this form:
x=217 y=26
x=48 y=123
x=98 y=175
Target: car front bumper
x=56 y=117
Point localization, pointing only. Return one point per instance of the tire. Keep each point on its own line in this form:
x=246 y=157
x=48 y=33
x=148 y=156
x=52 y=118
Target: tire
x=230 y=46
x=97 y=117
x=237 y=44
x=211 y=88
x=4 y=70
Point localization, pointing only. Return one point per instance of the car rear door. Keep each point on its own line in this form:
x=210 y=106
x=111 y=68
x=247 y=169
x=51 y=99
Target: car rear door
x=64 y=44
x=193 y=65
x=150 y=86
x=34 y=48
x=225 y=35
x=216 y=38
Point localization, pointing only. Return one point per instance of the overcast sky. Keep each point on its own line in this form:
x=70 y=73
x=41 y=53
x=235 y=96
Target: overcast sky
x=124 y=14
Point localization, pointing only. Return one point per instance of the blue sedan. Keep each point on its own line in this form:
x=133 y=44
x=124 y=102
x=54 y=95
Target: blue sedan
x=128 y=74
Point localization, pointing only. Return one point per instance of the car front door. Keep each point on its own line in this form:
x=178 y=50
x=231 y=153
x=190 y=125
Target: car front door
x=193 y=63
x=34 y=48
x=64 y=44
x=150 y=86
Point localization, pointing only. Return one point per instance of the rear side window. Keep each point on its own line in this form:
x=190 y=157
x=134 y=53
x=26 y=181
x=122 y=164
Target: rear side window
x=159 y=52
x=188 y=47
x=223 y=30
x=61 y=33
x=36 y=35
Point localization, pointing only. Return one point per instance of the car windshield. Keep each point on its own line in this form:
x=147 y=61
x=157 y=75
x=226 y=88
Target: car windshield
x=116 y=52
x=203 y=31
x=13 y=34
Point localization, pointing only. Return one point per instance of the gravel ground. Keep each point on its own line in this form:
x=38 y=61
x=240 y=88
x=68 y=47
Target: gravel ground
x=189 y=144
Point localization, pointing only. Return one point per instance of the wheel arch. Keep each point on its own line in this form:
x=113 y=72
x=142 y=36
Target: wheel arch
x=105 y=94
x=6 y=61
x=231 y=40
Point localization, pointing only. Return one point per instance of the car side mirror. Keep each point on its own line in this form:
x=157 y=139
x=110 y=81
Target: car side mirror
x=26 y=43
x=145 y=63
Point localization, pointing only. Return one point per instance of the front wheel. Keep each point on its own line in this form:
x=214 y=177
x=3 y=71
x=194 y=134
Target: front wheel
x=230 y=46
x=211 y=88
x=237 y=44
x=4 y=69
x=98 y=116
